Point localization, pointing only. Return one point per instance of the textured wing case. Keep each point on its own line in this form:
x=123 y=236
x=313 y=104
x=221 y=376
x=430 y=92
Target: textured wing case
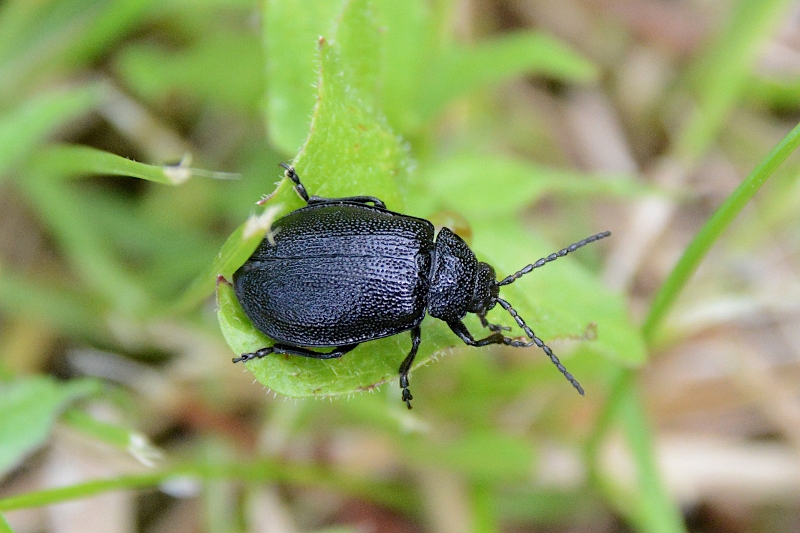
x=338 y=274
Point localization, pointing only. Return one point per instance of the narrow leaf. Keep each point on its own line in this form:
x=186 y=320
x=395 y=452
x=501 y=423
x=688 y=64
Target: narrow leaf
x=25 y=127
x=711 y=231
x=28 y=409
x=462 y=69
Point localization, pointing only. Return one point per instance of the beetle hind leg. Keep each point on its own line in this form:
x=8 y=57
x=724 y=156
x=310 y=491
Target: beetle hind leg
x=377 y=202
x=300 y=189
x=405 y=366
x=258 y=354
x=292 y=175
x=338 y=351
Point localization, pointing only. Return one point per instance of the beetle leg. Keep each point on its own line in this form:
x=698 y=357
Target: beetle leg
x=292 y=175
x=354 y=199
x=492 y=327
x=377 y=202
x=301 y=191
x=296 y=350
x=405 y=366
x=463 y=333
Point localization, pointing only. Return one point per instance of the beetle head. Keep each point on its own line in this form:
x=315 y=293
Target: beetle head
x=486 y=290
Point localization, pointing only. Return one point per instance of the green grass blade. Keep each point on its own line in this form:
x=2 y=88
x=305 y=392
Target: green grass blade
x=392 y=495
x=654 y=512
x=4 y=526
x=720 y=77
x=72 y=161
x=25 y=127
x=711 y=231
x=647 y=505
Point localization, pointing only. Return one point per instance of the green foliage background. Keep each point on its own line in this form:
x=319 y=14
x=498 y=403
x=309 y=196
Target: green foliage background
x=116 y=263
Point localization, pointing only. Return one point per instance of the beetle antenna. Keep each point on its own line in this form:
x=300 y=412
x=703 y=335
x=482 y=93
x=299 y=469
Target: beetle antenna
x=552 y=257
x=540 y=343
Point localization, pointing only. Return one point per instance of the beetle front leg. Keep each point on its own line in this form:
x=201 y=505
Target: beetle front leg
x=295 y=350
x=405 y=366
x=463 y=333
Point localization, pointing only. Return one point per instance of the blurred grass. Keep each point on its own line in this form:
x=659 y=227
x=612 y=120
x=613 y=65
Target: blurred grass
x=106 y=268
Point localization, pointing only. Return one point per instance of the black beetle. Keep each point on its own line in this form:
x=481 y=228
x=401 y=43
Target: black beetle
x=342 y=271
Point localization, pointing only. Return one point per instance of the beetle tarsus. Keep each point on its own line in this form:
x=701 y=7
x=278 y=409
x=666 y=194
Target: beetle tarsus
x=405 y=366
x=292 y=175
x=407 y=397
x=254 y=355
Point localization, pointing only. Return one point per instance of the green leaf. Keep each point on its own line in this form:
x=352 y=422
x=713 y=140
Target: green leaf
x=28 y=409
x=464 y=69
x=562 y=300
x=350 y=150
x=486 y=181
x=24 y=128
x=482 y=455
x=69 y=161
x=291 y=29
x=354 y=151
x=222 y=69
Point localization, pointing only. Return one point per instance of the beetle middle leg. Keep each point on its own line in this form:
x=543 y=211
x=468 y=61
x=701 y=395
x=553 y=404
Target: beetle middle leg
x=355 y=199
x=405 y=366
x=295 y=350
x=491 y=327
